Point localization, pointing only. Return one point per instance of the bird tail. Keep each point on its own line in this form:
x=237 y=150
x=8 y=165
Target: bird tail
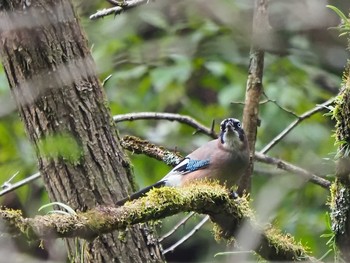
x=140 y=193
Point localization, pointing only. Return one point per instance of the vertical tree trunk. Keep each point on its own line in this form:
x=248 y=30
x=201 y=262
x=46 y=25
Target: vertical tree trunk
x=53 y=80
x=254 y=88
x=340 y=201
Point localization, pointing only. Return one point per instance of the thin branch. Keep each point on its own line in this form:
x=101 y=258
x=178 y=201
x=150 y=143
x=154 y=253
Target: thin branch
x=167 y=116
x=205 y=198
x=187 y=236
x=294 y=169
x=291 y=126
x=14 y=186
x=278 y=105
x=116 y=10
x=176 y=227
x=8 y=182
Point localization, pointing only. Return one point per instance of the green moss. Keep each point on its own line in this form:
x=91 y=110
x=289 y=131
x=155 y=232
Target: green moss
x=339 y=113
x=285 y=243
x=122 y=236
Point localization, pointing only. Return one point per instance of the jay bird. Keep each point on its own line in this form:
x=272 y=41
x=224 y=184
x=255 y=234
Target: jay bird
x=224 y=159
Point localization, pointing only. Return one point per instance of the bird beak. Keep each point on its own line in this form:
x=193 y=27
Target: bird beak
x=229 y=126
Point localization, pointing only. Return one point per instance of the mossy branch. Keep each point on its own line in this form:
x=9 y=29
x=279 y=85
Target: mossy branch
x=204 y=198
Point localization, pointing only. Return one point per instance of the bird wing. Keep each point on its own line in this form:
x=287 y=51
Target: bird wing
x=187 y=165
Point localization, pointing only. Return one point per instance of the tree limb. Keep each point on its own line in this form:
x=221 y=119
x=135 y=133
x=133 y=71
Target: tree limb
x=340 y=194
x=167 y=116
x=205 y=198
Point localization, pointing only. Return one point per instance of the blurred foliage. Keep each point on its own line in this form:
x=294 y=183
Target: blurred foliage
x=60 y=146
x=192 y=57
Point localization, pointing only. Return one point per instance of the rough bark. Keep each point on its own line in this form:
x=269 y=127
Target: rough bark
x=340 y=190
x=53 y=80
x=254 y=87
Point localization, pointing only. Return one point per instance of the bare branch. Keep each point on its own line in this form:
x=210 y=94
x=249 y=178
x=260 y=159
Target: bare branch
x=291 y=126
x=278 y=105
x=187 y=236
x=167 y=116
x=176 y=227
x=14 y=186
x=294 y=169
x=116 y=10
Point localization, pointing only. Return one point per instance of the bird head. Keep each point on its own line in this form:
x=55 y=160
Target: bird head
x=232 y=135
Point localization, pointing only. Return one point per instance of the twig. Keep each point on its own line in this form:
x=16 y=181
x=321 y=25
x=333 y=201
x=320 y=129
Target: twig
x=187 y=236
x=278 y=105
x=14 y=186
x=291 y=126
x=294 y=169
x=116 y=10
x=176 y=227
x=8 y=183
x=167 y=116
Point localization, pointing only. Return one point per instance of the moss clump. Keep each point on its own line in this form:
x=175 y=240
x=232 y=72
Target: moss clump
x=286 y=243
x=341 y=113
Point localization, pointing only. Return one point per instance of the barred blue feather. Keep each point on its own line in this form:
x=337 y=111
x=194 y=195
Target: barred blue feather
x=191 y=165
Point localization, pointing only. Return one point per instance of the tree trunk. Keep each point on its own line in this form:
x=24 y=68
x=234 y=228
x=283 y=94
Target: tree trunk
x=340 y=201
x=61 y=101
x=340 y=190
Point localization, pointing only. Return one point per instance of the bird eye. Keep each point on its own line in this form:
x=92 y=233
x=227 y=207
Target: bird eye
x=239 y=125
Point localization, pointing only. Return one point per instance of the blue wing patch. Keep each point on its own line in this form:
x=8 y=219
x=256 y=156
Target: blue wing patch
x=190 y=165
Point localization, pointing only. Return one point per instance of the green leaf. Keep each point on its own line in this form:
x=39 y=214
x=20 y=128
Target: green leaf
x=339 y=13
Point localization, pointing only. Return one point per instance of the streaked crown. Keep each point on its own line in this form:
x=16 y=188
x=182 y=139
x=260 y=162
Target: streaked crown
x=231 y=125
